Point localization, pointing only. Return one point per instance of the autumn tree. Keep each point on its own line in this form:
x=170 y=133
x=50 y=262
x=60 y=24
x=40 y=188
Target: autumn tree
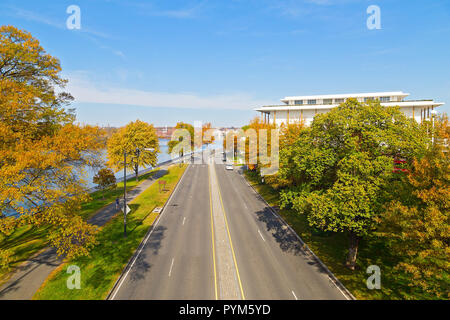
x=418 y=218
x=42 y=152
x=341 y=167
x=258 y=127
x=105 y=180
x=133 y=139
x=207 y=137
x=289 y=133
x=187 y=142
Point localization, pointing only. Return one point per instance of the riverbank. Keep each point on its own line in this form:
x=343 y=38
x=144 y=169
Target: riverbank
x=104 y=265
x=28 y=240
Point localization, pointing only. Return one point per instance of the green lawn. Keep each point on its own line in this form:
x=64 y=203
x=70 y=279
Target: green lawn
x=332 y=250
x=100 y=270
x=29 y=240
x=22 y=243
x=99 y=200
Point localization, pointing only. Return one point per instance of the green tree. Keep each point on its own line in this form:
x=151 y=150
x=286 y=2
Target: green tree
x=105 y=180
x=133 y=139
x=341 y=166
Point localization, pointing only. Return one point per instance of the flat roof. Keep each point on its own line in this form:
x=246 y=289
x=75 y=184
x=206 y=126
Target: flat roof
x=400 y=104
x=347 y=95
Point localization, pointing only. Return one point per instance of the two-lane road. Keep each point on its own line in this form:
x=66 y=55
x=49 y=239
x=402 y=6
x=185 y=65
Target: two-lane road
x=271 y=261
x=176 y=261
x=217 y=239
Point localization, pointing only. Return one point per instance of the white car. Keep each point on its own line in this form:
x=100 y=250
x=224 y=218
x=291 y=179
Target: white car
x=229 y=167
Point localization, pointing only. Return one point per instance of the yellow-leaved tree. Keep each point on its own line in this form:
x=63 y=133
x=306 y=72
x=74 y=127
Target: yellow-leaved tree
x=133 y=139
x=43 y=154
x=183 y=138
x=418 y=220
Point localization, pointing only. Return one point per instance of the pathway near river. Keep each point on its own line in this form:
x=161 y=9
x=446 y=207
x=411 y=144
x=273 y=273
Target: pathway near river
x=28 y=277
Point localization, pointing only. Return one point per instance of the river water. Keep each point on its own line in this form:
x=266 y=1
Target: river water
x=162 y=157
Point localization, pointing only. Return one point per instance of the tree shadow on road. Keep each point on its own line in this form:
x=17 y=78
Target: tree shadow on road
x=286 y=239
x=150 y=249
x=44 y=259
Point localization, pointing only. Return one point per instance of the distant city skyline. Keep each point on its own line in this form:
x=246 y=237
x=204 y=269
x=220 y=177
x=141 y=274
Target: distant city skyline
x=215 y=61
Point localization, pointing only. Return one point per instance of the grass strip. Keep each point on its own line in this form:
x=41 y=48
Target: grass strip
x=28 y=240
x=103 y=266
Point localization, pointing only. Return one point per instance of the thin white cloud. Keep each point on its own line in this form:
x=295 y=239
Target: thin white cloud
x=39 y=18
x=87 y=33
x=87 y=91
x=186 y=12
x=35 y=17
x=320 y=2
x=119 y=53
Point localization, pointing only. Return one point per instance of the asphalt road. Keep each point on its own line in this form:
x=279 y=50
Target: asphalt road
x=181 y=259
x=271 y=261
x=28 y=277
x=176 y=261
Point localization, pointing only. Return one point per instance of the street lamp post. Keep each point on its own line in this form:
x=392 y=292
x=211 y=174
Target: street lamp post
x=125 y=194
x=138 y=151
x=433 y=114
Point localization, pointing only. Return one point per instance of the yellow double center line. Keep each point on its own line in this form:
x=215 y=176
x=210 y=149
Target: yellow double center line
x=231 y=243
x=212 y=236
x=229 y=237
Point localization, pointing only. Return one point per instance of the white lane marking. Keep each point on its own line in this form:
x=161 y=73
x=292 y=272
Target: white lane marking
x=261 y=235
x=184 y=219
x=171 y=266
x=346 y=296
x=294 y=295
x=148 y=236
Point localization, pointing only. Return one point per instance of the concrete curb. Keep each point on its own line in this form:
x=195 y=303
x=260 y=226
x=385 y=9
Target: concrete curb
x=144 y=240
x=348 y=295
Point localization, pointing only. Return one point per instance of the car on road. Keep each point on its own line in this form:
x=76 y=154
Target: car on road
x=229 y=167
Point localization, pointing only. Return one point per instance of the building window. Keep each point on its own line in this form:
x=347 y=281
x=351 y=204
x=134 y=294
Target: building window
x=339 y=100
x=311 y=101
x=385 y=99
x=298 y=102
x=367 y=99
x=327 y=101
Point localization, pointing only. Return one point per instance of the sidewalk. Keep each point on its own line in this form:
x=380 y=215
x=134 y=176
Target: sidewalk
x=28 y=277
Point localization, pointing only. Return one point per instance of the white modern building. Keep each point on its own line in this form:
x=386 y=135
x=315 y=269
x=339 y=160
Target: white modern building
x=303 y=108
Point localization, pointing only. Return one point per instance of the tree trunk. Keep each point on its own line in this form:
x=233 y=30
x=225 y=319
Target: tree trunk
x=352 y=250
x=136 y=170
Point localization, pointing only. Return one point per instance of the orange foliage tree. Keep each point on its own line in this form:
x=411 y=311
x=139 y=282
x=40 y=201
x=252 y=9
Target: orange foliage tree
x=206 y=137
x=42 y=152
x=257 y=125
x=419 y=219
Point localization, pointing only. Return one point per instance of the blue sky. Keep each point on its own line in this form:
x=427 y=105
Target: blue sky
x=167 y=61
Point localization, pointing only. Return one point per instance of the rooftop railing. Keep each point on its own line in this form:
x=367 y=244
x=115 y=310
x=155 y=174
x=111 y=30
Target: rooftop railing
x=325 y=104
